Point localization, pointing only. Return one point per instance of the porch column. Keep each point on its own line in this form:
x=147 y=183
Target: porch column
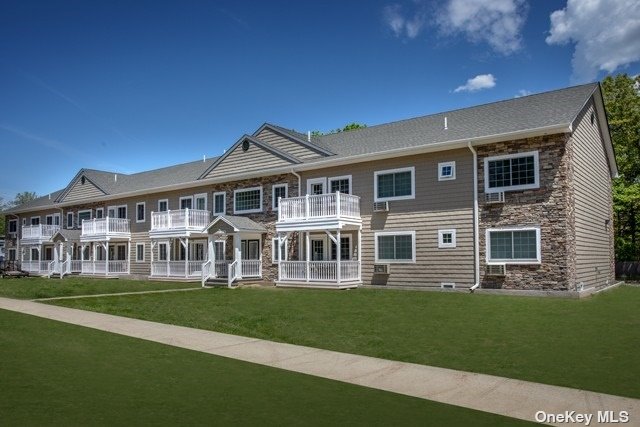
x=338 y=255
x=237 y=244
x=308 y=252
x=95 y=254
x=211 y=254
x=153 y=244
x=277 y=256
x=39 y=256
x=359 y=253
x=106 y=264
x=129 y=257
x=186 y=258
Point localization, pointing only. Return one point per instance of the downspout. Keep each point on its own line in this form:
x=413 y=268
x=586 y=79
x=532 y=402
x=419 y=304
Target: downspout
x=476 y=234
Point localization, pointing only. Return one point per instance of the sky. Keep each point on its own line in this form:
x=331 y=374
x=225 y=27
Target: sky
x=127 y=86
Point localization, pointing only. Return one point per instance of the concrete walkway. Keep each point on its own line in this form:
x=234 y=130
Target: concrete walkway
x=503 y=396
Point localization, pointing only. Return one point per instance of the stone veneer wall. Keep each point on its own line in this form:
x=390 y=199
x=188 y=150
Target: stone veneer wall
x=550 y=207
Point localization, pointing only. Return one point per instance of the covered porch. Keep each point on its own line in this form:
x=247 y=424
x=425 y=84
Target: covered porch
x=108 y=257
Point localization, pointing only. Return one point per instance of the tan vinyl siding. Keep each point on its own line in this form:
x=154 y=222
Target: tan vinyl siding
x=140 y=268
x=287 y=145
x=593 y=201
x=80 y=191
x=255 y=158
x=438 y=205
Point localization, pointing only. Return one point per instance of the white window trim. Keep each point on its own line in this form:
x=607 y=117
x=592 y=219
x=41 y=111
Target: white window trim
x=512 y=261
x=242 y=190
x=185 y=198
x=224 y=202
x=322 y=181
x=138 y=251
x=273 y=194
x=99 y=210
x=536 y=168
x=274 y=244
x=338 y=178
x=32 y=218
x=163 y=200
x=346 y=236
x=115 y=211
x=200 y=196
x=82 y=211
x=57 y=215
x=395 y=233
x=47 y=217
x=144 y=217
x=164 y=243
x=453 y=171
x=411 y=169
x=72 y=215
x=441 y=244
x=9 y=225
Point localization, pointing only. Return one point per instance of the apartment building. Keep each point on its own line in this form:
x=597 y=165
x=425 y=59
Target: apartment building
x=514 y=194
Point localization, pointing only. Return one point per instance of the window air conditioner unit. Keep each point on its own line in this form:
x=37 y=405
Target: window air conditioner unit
x=496 y=269
x=381 y=268
x=381 y=206
x=494 y=197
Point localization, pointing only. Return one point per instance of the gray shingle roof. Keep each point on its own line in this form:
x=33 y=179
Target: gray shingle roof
x=242 y=223
x=555 y=108
x=519 y=114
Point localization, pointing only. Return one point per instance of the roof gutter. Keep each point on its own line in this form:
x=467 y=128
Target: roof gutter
x=439 y=146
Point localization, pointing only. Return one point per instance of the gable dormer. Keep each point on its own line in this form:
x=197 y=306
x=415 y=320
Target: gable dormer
x=249 y=153
x=290 y=141
x=81 y=187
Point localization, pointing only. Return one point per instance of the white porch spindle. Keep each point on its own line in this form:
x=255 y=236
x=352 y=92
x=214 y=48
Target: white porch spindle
x=308 y=252
x=338 y=253
x=106 y=264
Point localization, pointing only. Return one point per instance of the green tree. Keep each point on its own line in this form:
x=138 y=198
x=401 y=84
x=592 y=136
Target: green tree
x=345 y=128
x=24 y=197
x=622 y=100
x=3 y=206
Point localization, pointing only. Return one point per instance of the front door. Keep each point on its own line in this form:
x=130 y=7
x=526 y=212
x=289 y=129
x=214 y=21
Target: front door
x=317 y=249
x=250 y=249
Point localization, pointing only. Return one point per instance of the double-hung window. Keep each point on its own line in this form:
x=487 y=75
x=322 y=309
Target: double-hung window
x=219 y=203
x=69 y=219
x=247 y=200
x=340 y=183
x=513 y=245
x=13 y=226
x=279 y=191
x=140 y=212
x=163 y=205
x=139 y=252
x=84 y=215
x=511 y=172
x=201 y=202
x=395 y=247
x=395 y=184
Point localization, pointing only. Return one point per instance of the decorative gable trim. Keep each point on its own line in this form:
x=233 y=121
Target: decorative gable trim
x=81 y=173
x=276 y=152
x=303 y=142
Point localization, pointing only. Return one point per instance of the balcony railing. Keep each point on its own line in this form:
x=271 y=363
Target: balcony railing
x=176 y=268
x=105 y=226
x=193 y=219
x=104 y=268
x=319 y=271
x=41 y=231
x=338 y=205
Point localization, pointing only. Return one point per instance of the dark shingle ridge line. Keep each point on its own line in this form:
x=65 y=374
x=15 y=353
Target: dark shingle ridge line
x=455 y=110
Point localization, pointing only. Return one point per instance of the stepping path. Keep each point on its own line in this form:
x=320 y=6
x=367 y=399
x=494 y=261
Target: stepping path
x=498 y=395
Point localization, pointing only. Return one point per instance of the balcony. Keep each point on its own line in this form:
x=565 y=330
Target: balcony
x=318 y=211
x=179 y=222
x=38 y=233
x=105 y=229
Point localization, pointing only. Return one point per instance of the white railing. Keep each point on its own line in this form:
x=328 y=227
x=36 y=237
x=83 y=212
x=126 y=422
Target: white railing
x=65 y=268
x=251 y=268
x=105 y=226
x=207 y=271
x=100 y=267
x=75 y=266
x=176 y=268
x=51 y=268
x=319 y=271
x=337 y=204
x=183 y=218
x=233 y=273
x=39 y=231
x=30 y=266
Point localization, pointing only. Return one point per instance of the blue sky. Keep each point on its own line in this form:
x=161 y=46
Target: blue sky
x=133 y=85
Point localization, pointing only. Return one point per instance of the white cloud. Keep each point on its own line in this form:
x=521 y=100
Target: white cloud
x=606 y=35
x=496 y=22
x=404 y=24
x=479 y=82
x=522 y=92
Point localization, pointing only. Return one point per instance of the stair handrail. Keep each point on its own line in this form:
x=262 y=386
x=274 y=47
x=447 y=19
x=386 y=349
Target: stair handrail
x=232 y=273
x=206 y=272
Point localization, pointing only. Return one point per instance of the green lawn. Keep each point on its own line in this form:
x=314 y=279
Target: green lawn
x=53 y=373
x=592 y=343
x=41 y=287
